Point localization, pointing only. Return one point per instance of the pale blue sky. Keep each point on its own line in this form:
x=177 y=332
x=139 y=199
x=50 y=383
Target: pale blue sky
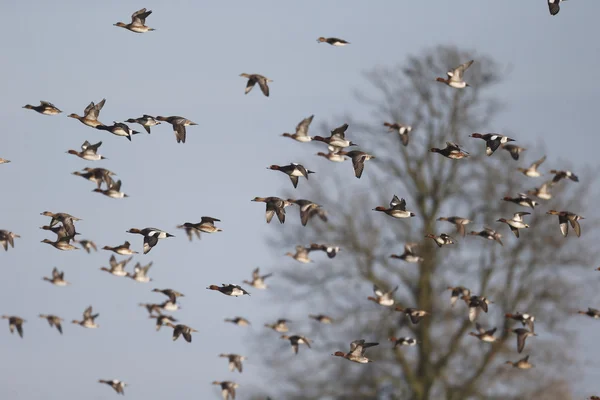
x=69 y=53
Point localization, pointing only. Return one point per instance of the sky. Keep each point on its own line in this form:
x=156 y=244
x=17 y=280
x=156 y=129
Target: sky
x=69 y=53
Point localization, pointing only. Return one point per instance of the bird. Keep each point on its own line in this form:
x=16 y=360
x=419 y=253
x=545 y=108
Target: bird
x=333 y=41
x=383 y=298
x=162 y=319
x=403 y=341
x=513 y=149
x=492 y=141
x=57 y=278
x=123 y=249
x=8 y=238
x=118 y=129
x=240 y=321
x=324 y=319
x=475 y=304
x=253 y=79
x=173 y=295
x=358 y=160
x=403 y=131
x=522 y=199
x=331 y=251
x=274 y=205
x=138 y=22
x=458 y=292
x=459 y=222
x=113 y=191
x=337 y=139
x=409 y=254
x=53 y=321
x=88 y=320
x=227 y=389
x=145 y=120
x=523 y=363
x=516 y=222
x=558 y=175
x=413 y=314
x=441 y=240
x=357 y=351
x=90 y=114
x=15 y=322
x=179 y=124
x=97 y=175
x=180 y=329
x=301 y=254
x=117 y=268
x=151 y=236
x=532 y=171
x=117 y=385
x=483 y=334
x=591 y=312
x=206 y=225
x=279 y=326
x=293 y=170
x=45 y=108
x=308 y=209
x=140 y=273
x=554 y=6
x=61 y=244
x=566 y=217
x=235 y=361
x=296 y=340
x=301 y=134
x=65 y=219
x=452 y=151
x=88 y=151
x=489 y=234
x=397 y=209
x=229 y=289
x=543 y=192
x=522 y=335
x=258 y=281
x=524 y=318
x=455 y=76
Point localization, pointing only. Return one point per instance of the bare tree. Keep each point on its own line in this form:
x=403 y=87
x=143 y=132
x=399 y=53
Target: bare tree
x=535 y=273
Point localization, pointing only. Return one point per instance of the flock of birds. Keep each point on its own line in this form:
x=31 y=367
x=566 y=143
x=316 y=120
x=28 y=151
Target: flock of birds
x=63 y=224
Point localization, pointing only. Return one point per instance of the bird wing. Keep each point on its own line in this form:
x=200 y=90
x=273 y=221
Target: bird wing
x=458 y=72
x=302 y=127
x=263 y=86
x=553 y=6
x=138 y=18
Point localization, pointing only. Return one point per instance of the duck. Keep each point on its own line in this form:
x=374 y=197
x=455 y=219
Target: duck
x=180 y=329
x=253 y=79
x=173 y=295
x=140 y=273
x=117 y=385
x=333 y=155
x=279 y=326
x=475 y=304
x=455 y=76
x=452 y=151
x=522 y=335
x=162 y=319
x=524 y=318
x=88 y=319
x=151 y=236
x=179 y=124
x=67 y=220
x=61 y=244
x=97 y=175
x=258 y=281
x=58 y=278
x=117 y=268
x=15 y=322
x=523 y=363
x=565 y=217
x=138 y=22
x=151 y=308
x=383 y=298
x=308 y=209
x=293 y=170
x=357 y=351
x=532 y=171
x=492 y=141
x=591 y=312
x=483 y=334
x=403 y=341
x=45 y=108
x=275 y=205
x=337 y=140
x=88 y=152
x=403 y=131
x=514 y=150
x=296 y=340
x=397 y=209
x=8 y=238
x=206 y=225
x=301 y=134
x=459 y=222
x=87 y=245
x=441 y=240
x=60 y=231
x=123 y=249
x=240 y=321
x=145 y=120
x=543 y=192
x=118 y=129
x=168 y=305
x=415 y=315
x=229 y=289
x=322 y=318
x=516 y=222
x=558 y=175
x=554 y=6
x=331 y=251
x=458 y=292
x=235 y=361
x=53 y=321
x=358 y=160
x=333 y=41
x=227 y=389
x=409 y=254
x=522 y=199
x=4 y=161
x=90 y=114
x=301 y=254
x=113 y=191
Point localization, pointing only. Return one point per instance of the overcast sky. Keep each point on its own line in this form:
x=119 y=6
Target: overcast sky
x=69 y=53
